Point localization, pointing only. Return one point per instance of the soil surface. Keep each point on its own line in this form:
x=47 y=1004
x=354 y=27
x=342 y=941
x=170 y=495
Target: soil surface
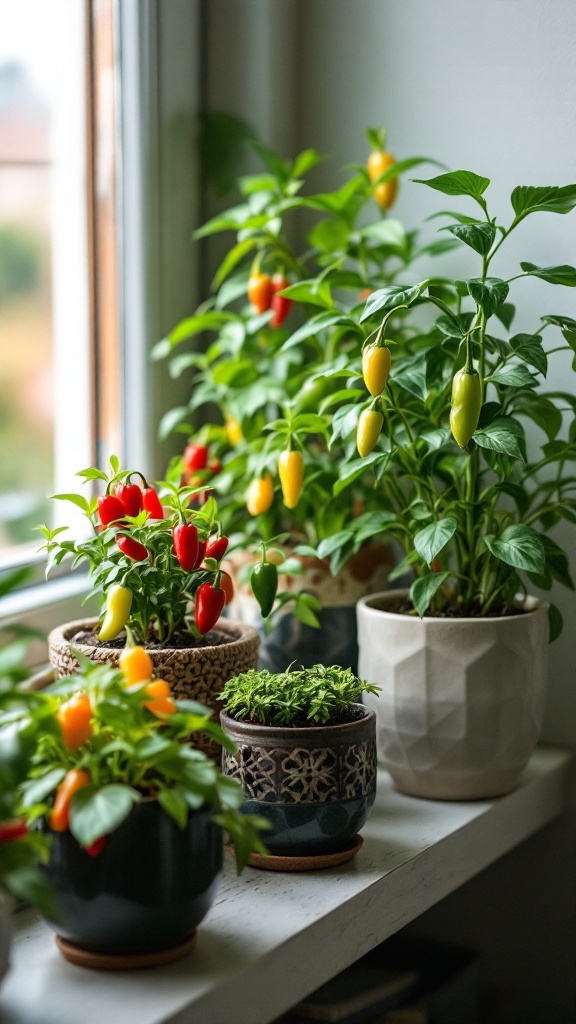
x=179 y=642
x=402 y=606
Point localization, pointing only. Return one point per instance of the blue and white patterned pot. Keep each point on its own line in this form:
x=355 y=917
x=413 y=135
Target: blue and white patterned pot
x=315 y=784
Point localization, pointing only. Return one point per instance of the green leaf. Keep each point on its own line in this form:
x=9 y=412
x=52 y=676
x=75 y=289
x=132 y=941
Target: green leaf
x=457 y=183
x=505 y=314
x=527 y=199
x=423 y=589
x=479 y=236
x=387 y=298
x=566 y=324
x=194 y=325
x=498 y=440
x=512 y=377
x=37 y=790
x=555 y=623
x=76 y=499
x=529 y=347
x=312 y=291
x=96 y=812
x=173 y=801
x=411 y=375
x=542 y=411
x=563 y=274
x=518 y=546
x=329 y=545
x=430 y=541
x=317 y=323
x=304 y=162
x=490 y=293
x=353 y=471
x=170 y=420
x=304 y=613
x=387 y=231
x=232 y=259
x=329 y=235
x=557 y=562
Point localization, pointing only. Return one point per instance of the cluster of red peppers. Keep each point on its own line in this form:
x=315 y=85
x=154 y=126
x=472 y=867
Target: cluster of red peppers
x=198 y=468
x=264 y=294
x=190 y=550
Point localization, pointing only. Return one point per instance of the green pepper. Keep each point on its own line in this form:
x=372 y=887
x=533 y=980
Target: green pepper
x=264 y=583
x=466 y=405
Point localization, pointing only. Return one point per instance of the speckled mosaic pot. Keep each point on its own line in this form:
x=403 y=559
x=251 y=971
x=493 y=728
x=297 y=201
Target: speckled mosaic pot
x=462 y=700
x=316 y=785
x=194 y=673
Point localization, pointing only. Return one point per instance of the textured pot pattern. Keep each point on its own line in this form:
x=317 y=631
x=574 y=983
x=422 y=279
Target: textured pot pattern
x=462 y=700
x=193 y=673
x=146 y=891
x=315 y=785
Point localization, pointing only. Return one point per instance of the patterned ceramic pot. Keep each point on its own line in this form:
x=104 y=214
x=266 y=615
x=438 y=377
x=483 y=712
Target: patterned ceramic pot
x=146 y=891
x=316 y=785
x=194 y=673
x=462 y=700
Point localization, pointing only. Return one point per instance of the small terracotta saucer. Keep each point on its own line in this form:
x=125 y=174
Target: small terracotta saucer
x=123 y=961
x=307 y=862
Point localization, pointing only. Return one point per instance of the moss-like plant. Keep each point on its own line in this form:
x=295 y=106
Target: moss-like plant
x=319 y=695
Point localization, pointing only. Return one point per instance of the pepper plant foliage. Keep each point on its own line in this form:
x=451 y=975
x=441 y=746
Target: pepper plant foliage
x=473 y=521
x=321 y=695
x=276 y=385
x=163 y=592
x=130 y=753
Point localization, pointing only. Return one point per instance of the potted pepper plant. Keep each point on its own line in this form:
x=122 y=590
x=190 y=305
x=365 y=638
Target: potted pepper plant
x=306 y=760
x=469 y=454
x=282 y=316
x=134 y=813
x=156 y=562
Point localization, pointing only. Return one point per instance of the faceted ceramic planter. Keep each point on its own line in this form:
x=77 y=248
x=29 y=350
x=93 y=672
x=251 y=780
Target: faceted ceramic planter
x=194 y=673
x=335 y=642
x=144 y=893
x=462 y=700
x=315 y=784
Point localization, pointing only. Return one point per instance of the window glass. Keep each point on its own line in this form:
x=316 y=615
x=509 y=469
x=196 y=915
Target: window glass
x=39 y=41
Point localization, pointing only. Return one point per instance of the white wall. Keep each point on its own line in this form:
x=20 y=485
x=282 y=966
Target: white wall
x=489 y=86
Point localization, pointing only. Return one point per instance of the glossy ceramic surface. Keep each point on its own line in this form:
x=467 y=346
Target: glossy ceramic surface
x=147 y=890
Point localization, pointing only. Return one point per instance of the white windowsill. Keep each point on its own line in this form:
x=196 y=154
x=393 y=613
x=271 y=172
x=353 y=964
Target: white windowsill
x=272 y=938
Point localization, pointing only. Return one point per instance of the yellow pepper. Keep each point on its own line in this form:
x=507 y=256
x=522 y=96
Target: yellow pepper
x=118 y=604
x=378 y=162
x=376 y=360
x=368 y=431
x=260 y=495
x=234 y=431
x=291 y=473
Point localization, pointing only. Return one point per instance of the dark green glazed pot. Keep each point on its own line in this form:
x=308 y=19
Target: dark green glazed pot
x=315 y=784
x=146 y=891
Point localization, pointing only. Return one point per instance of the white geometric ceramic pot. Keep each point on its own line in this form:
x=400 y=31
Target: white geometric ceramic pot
x=462 y=700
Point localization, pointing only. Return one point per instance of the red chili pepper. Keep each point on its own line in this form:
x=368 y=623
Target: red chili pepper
x=216 y=547
x=131 y=548
x=12 y=830
x=280 y=304
x=195 y=457
x=151 y=502
x=131 y=497
x=215 y=466
x=186 y=545
x=110 y=509
x=208 y=606
x=227 y=585
x=96 y=847
x=201 y=553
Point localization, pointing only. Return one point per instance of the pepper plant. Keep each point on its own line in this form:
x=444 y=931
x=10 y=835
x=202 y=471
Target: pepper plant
x=470 y=455
x=155 y=560
x=283 y=323
x=108 y=738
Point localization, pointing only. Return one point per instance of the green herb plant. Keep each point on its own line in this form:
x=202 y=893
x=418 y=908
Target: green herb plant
x=319 y=695
x=473 y=462
x=268 y=381
x=131 y=750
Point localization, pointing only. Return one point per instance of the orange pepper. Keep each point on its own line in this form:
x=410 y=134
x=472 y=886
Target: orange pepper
x=75 y=720
x=161 y=704
x=74 y=780
x=227 y=585
x=135 y=665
